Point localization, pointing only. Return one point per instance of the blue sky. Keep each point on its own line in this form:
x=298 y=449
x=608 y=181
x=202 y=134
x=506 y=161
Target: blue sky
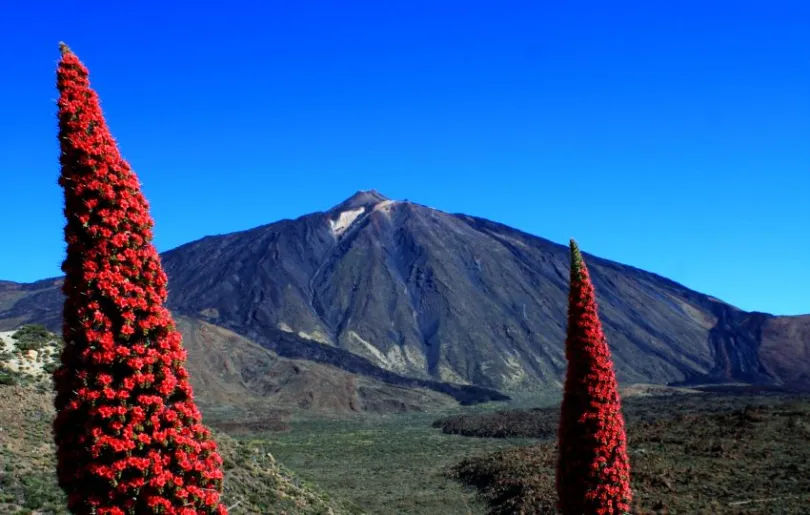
x=671 y=138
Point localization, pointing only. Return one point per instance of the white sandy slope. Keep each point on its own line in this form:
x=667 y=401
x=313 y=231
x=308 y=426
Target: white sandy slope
x=345 y=220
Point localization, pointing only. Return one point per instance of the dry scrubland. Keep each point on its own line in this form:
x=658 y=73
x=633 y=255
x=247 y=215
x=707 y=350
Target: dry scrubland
x=254 y=482
x=696 y=454
x=712 y=453
x=723 y=453
x=28 y=357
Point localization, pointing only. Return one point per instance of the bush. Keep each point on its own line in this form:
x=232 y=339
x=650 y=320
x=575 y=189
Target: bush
x=9 y=378
x=33 y=337
x=535 y=423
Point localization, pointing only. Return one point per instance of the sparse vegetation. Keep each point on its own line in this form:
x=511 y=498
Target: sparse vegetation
x=404 y=464
x=254 y=483
x=384 y=465
x=28 y=357
x=534 y=423
x=707 y=454
x=33 y=337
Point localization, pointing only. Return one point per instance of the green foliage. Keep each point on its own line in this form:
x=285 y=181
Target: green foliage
x=33 y=337
x=9 y=377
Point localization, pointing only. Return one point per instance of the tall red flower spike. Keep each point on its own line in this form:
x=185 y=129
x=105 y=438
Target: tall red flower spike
x=128 y=434
x=593 y=472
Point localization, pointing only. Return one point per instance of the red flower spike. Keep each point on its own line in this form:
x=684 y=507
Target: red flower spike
x=593 y=471
x=123 y=400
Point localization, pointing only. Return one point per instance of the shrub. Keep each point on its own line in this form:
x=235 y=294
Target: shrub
x=535 y=423
x=32 y=337
x=9 y=378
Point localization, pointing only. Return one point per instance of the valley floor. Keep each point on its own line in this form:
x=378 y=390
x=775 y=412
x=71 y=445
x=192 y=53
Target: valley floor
x=384 y=466
x=724 y=442
x=718 y=453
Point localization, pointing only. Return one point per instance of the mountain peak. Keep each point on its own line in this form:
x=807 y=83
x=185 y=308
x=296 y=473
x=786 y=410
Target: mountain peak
x=362 y=198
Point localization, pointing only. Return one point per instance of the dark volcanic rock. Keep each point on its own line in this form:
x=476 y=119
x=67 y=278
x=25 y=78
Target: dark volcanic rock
x=401 y=291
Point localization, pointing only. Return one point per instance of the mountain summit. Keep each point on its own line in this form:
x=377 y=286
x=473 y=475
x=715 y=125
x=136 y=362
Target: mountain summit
x=362 y=198
x=380 y=287
x=345 y=214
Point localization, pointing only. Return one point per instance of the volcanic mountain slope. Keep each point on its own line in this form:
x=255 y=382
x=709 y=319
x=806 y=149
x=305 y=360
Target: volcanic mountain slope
x=231 y=371
x=376 y=286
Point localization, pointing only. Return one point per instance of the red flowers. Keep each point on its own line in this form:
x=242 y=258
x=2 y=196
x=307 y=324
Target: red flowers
x=129 y=437
x=593 y=472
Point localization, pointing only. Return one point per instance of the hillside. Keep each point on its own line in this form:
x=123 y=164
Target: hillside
x=379 y=287
x=229 y=373
x=254 y=483
x=28 y=357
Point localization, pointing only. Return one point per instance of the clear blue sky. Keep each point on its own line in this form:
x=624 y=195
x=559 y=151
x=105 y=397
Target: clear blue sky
x=675 y=139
